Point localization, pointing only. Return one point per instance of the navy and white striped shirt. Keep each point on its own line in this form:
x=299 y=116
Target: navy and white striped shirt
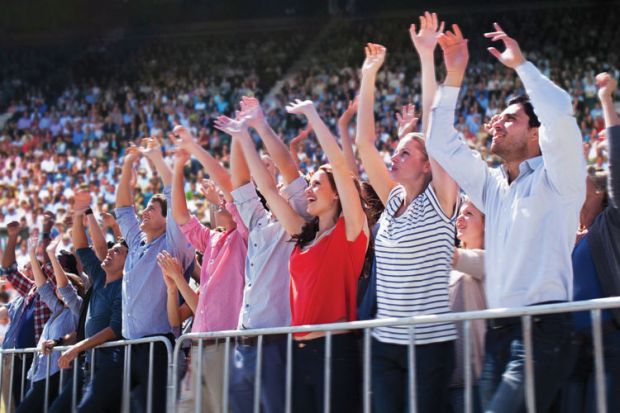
x=414 y=259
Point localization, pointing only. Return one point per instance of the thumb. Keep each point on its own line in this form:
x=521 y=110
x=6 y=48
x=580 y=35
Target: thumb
x=494 y=52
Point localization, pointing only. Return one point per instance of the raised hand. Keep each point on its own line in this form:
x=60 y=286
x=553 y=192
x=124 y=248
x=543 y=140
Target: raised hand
x=301 y=107
x=182 y=137
x=351 y=110
x=425 y=40
x=230 y=126
x=49 y=219
x=181 y=156
x=13 y=228
x=302 y=135
x=150 y=148
x=375 y=56
x=53 y=245
x=81 y=200
x=210 y=192
x=455 y=53
x=512 y=56
x=406 y=120
x=33 y=243
x=108 y=219
x=251 y=111
x=606 y=85
x=132 y=154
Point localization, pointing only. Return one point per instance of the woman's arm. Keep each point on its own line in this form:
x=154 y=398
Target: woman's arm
x=39 y=277
x=345 y=138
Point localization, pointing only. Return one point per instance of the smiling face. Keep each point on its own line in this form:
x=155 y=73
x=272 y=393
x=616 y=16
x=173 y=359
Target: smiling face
x=114 y=260
x=321 y=194
x=153 y=219
x=513 y=137
x=470 y=224
x=410 y=160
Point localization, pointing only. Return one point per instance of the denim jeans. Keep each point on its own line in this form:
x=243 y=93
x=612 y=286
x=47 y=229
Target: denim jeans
x=34 y=399
x=308 y=375
x=579 y=394
x=390 y=379
x=273 y=371
x=140 y=376
x=502 y=382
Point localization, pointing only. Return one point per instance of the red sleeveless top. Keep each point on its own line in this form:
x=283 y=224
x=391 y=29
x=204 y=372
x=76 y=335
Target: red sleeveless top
x=324 y=279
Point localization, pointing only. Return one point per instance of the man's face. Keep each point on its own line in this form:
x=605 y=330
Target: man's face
x=152 y=218
x=115 y=258
x=511 y=134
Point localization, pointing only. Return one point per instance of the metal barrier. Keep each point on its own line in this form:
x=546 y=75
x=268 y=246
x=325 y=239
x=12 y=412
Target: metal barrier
x=126 y=388
x=526 y=313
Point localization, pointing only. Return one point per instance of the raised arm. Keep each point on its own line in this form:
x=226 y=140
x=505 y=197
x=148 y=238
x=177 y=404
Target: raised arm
x=425 y=42
x=378 y=174
x=559 y=137
x=239 y=171
x=124 y=197
x=49 y=219
x=39 y=277
x=255 y=118
x=180 y=213
x=345 y=137
x=59 y=272
x=607 y=86
x=109 y=222
x=184 y=140
x=82 y=204
x=151 y=149
x=8 y=257
x=354 y=216
x=290 y=220
x=296 y=141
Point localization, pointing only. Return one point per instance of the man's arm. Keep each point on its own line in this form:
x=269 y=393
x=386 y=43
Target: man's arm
x=124 y=197
x=443 y=143
x=8 y=257
x=151 y=149
x=105 y=335
x=607 y=86
x=559 y=135
x=100 y=245
x=180 y=213
x=49 y=219
x=250 y=109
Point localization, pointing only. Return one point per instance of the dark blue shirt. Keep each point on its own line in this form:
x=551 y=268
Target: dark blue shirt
x=586 y=284
x=105 y=307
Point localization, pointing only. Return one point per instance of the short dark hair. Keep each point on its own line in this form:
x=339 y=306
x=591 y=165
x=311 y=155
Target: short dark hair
x=524 y=100
x=163 y=203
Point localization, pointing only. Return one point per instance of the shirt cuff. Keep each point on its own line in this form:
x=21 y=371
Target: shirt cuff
x=446 y=97
x=299 y=184
x=190 y=225
x=244 y=193
x=67 y=290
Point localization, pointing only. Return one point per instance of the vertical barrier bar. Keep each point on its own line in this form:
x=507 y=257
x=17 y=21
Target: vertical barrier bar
x=367 y=383
x=23 y=378
x=2 y=375
x=259 y=367
x=198 y=378
x=149 y=386
x=413 y=397
x=92 y=364
x=62 y=376
x=174 y=376
x=467 y=367
x=599 y=367
x=11 y=378
x=327 y=372
x=530 y=396
x=74 y=386
x=226 y=380
x=126 y=379
x=288 y=399
x=47 y=382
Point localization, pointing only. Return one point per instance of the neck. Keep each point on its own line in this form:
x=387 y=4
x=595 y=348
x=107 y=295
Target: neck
x=414 y=188
x=512 y=168
x=150 y=236
x=111 y=276
x=326 y=222
x=475 y=244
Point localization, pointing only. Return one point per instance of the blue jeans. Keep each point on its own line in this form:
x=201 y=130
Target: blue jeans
x=579 y=393
x=390 y=377
x=140 y=376
x=456 y=404
x=502 y=382
x=273 y=371
x=34 y=399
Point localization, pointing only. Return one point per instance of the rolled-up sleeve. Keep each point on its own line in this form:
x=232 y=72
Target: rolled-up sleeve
x=196 y=233
x=47 y=295
x=296 y=197
x=241 y=228
x=443 y=144
x=71 y=299
x=250 y=208
x=179 y=244
x=129 y=225
x=90 y=262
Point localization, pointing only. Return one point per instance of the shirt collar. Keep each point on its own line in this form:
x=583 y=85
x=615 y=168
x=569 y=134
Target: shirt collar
x=529 y=165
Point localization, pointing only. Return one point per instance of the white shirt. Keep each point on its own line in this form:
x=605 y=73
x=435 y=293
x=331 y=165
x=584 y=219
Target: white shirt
x=530 y=223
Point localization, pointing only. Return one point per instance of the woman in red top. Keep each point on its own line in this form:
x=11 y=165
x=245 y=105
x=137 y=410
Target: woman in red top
x=325 y=266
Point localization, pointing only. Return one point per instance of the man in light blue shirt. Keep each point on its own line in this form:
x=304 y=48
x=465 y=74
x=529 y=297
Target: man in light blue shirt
x=531 y=205
x=144 y=291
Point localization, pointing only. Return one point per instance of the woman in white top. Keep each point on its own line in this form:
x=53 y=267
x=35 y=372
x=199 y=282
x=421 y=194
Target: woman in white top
x=414 y=244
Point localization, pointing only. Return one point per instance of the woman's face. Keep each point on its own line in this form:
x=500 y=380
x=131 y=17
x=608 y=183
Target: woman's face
x=409 y=161
x=320 y=194
x=469 y=224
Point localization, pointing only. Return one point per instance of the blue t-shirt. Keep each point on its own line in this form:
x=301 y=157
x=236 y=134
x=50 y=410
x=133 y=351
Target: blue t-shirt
x=586 y=284
x=25 y=330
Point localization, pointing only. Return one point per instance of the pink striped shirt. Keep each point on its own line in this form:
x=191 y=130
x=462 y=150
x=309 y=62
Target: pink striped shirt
x=222 y=273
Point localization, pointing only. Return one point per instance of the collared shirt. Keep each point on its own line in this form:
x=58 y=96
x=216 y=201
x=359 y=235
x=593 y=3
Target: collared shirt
x=221 y=275
x=267 y=277
x=531 y=222
x=144 y=291
x=105 y=306
x=27 y=291
x=62 y=322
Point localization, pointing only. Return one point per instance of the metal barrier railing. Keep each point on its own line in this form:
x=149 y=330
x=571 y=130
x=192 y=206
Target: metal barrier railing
x=526 y=313
x=126 y=388
x=593 y=306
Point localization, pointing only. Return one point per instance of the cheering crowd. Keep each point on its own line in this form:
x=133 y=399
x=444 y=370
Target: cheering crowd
x=313 y=232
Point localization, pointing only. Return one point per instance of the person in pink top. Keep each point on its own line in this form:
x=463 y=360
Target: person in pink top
x=217 y=304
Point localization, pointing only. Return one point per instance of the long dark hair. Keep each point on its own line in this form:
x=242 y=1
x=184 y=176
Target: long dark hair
x=310 y=228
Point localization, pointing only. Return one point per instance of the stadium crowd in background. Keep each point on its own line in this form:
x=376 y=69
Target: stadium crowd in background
x=113 y=168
